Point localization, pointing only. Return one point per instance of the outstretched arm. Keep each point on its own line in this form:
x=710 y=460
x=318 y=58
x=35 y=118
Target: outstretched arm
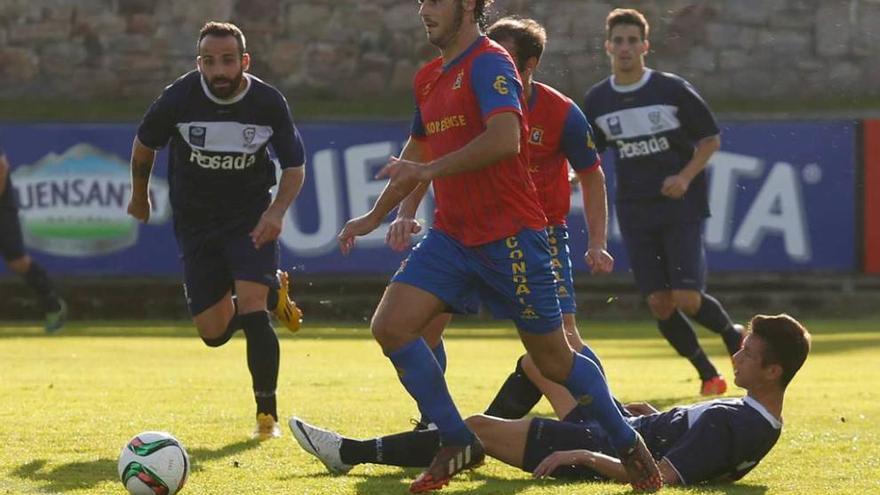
x=395 y=191
x=595 y=200
x=142 y=159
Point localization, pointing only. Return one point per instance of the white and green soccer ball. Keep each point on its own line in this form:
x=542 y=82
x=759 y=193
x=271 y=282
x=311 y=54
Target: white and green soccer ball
x=153 y=463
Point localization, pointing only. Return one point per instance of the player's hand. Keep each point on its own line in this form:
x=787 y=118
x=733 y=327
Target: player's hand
x=559 y=458
x=599 y=260
x=139 y=208
x=675 y=186
x=640 y=408
x=354 y=228
x=400 y=232
x=268 y=228
x=404 y=174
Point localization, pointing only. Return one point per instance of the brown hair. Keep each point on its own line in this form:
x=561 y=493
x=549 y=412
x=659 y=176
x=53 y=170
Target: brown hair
x=787 y=343
x=480 y=8
x=528 y=35
x=627 y=16
x=214 y=28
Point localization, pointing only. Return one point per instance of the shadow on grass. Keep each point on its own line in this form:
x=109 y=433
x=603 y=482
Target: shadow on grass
x=87 y=474
x=398 y=482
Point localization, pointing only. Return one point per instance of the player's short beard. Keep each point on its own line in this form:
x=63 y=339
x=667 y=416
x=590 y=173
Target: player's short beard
x=452 y=32
x=233 y=86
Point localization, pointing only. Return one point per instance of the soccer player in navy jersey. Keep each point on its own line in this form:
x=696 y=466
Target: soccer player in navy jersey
x=13 y=253
x=715 y=441
x=560 y=139
x=469 y=138
x=219 y=121
x=663 y=134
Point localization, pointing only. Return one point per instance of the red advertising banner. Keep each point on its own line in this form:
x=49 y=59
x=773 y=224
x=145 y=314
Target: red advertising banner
x=872 y=196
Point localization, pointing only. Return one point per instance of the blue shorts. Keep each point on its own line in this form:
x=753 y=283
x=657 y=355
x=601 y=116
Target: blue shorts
x=511 y=276
x=548 y=435
x=664 y=254
x=212 y=264
x=557 y=236
x=11 y=243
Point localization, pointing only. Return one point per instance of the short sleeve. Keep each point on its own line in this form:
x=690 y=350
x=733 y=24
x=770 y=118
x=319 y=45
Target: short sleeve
x=158 y=123
x=577 y=141
x=496 y=84
x=694 y=114
x=417 y=129
x=286 y=140
x=599 y=139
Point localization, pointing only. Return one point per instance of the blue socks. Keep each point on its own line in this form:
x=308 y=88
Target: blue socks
x=587 y=384
x=421 y=375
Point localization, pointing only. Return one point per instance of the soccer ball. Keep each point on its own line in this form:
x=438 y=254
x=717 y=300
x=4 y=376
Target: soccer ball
x=153 y=463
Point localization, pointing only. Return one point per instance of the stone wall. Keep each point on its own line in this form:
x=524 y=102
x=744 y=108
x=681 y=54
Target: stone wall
x=730 y=49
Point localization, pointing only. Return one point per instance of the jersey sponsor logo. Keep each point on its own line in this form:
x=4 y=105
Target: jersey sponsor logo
x=458 y=79
x=444 y=124
x=590 y=143
x=614 y=125
x=221 y=161
x=536 y=135
x=197 y=135
x=643 y=147
x=500 y=85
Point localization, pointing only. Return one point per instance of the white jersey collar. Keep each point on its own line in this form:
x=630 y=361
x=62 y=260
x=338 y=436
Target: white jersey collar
x=754 y=404
x=226 y=101
x=629 y=88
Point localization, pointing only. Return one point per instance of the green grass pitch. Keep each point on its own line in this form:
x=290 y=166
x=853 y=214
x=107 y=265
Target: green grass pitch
x=70 y=402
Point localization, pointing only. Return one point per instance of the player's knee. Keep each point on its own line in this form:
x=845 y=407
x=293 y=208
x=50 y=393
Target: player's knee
x=251 y=303
x=478 y=423
x=662 y=305
x=211 y=332
x=384 y=332
x=687 y=301
x=20 y=265
x=572 y=336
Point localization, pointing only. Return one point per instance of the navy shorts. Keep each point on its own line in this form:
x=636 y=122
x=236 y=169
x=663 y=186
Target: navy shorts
x=548 y=435
x=512 y=276
x=212 y=264
x=557 y=236
x=11 y=243
x=664 y=254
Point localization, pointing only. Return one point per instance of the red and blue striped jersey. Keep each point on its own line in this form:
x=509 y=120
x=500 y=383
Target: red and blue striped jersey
x=453 y=104
x=559 y=135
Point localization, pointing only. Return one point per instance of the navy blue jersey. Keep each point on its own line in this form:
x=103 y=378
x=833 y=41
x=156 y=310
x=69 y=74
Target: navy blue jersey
x=722 y=439
x=219 y=167
x=652 y=126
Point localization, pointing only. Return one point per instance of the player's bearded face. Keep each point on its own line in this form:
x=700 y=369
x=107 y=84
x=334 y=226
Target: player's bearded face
x=442 y=27
x=223 y=86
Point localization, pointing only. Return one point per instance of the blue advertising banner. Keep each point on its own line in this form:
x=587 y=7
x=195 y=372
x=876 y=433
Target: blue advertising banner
x=782 y=198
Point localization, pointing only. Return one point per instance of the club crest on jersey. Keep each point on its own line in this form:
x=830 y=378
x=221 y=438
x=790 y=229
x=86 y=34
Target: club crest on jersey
x=500 y=85
x=614 y=126
x=656 y=120
x=249 y=134
x=458 y=79
x=197 y=136
x=536 y=135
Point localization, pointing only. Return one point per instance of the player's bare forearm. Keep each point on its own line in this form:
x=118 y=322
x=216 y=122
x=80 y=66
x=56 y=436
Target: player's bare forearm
x=606 y=466
x=595 y=199
x=500 y=140
x=4 y=171
x=142 y=159
x=706 y=147
x=289 y=186
x=414 y=151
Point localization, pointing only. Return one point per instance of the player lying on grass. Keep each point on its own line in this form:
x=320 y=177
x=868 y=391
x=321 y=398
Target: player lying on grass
x=718 y=440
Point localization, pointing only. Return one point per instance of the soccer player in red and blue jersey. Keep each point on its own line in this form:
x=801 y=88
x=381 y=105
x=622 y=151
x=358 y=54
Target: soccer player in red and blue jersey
x=560 y=139
x=469 y=137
